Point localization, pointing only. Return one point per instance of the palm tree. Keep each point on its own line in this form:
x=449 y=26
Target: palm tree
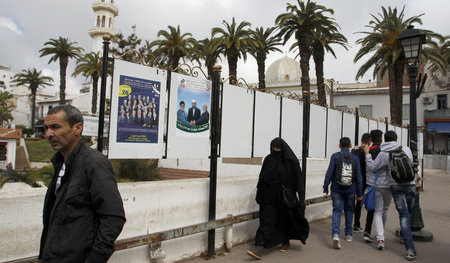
x=6 y=107
x=90 y=66
x=387 y=56
x=34 y=80
x=174 y=45
x=61 y=49
x=321 y=43
x=209 y=51
x=260 y=44
x=302 y=20
x=234 y=42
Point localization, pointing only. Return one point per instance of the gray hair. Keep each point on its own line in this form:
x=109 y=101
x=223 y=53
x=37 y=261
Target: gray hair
x=73 y=115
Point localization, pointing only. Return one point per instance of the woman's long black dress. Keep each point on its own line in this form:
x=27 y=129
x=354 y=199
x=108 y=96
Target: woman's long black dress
x=278 y=223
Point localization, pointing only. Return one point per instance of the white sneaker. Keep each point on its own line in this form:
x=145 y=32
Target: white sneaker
x=348 y=238
x=336 y=242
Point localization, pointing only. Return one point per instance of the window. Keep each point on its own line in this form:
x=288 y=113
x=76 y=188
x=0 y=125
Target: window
x=3 y=152
x=103 y=21
x=442 y=101
x=405 y=112
x=341 y=108
x=366 y=110
x=98 y=21
x=110 y=22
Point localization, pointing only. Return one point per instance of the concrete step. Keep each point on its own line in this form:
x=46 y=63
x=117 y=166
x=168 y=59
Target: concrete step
x=175 y=174
x=21 y=159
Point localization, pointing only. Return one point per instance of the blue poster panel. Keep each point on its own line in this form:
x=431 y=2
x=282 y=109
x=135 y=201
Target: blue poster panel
x=138 y=110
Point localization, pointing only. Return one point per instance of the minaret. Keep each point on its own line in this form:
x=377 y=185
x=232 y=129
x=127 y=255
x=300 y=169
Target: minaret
x=105 y=12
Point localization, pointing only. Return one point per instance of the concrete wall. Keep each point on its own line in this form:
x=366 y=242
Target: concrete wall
x=434 y=161
x=155 y=206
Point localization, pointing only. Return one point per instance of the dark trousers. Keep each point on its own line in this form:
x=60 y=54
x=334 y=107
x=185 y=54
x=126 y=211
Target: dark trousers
x=369 y=218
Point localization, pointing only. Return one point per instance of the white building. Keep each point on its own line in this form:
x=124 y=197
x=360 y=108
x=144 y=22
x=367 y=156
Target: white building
x=372 y=98
x=22 y=97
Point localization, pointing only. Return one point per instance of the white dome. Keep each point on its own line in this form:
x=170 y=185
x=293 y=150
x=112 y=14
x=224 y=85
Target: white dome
x=284 y=70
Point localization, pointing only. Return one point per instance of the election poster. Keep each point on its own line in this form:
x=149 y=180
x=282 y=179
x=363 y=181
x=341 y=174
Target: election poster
x=189 y=117
x=193 y=104
x=137 y=111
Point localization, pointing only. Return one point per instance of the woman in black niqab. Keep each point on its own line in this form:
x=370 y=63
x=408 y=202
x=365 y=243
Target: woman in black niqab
x=278 y=223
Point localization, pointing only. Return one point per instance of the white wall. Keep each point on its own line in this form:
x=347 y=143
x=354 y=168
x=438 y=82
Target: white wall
x=151 y=207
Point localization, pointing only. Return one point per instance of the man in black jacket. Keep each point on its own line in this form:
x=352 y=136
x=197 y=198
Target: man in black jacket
x=83 y=210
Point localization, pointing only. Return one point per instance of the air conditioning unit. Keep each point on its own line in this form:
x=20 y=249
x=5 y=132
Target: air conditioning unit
x=427 y=100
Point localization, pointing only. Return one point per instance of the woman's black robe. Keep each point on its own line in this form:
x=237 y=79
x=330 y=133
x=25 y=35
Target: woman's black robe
x=278 y=223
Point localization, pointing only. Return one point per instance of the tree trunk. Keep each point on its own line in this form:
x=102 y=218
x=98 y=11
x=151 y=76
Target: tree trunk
x=33 y=105
x=94 y=93
x=305 y=55
x=260 y=60
x=318 y=56
x=232 y=68
x=396 y=92
x=63 y=61
x=175 y=62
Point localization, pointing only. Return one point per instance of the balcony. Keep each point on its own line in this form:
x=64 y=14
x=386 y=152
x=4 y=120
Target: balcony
x=437 y=115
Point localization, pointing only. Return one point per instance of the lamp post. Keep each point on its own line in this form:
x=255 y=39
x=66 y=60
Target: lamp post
x=410 y=41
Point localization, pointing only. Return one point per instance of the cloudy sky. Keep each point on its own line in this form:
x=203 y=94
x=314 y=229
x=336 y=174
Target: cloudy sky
x=25 y=25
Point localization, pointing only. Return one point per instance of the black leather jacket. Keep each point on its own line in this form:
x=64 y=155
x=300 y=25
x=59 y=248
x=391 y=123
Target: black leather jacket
x=84 y=218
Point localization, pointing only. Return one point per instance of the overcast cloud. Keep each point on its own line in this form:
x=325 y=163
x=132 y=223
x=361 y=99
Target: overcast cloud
x=25 y=25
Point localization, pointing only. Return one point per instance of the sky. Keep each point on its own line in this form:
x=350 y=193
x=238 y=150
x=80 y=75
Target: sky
x=25 y=25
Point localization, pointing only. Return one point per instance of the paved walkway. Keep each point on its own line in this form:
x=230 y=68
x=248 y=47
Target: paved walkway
x=435 y=204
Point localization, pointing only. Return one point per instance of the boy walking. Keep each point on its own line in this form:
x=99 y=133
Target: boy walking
x=344 y=174
x=401 y=178
x=359 y=151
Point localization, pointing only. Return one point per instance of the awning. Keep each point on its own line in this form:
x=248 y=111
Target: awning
x=439 y=127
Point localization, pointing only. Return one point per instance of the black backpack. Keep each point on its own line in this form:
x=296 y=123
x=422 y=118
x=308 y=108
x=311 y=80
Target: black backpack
x=345 y=170
x=402 y=169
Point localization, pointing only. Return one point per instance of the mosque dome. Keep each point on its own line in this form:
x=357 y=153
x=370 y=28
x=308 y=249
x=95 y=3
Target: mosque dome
x=284 y=70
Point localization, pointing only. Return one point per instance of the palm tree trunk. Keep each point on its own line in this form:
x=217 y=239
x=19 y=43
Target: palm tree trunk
x=94 y=93
x=175 y=61
x=397 y=115
x=305 y=55
x=318 y=56
x=232 y=68
x=261 y=71
x=63 y=61
x=33 y=105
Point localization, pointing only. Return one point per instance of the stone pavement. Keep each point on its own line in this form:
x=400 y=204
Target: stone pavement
x=435 y=205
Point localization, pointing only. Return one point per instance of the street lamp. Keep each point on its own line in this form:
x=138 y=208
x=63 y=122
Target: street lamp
x=410 y=41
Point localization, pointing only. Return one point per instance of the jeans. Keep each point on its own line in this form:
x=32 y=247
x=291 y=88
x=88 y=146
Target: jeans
x=404 y=198
x=383 y=199
x=342 y=201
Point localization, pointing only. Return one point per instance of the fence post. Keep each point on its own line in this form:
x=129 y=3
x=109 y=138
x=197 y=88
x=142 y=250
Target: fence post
x=356 y=125
x=305 y=139
x=386 y=121
x=166 y=137
x=213 y=161
x=101 y=113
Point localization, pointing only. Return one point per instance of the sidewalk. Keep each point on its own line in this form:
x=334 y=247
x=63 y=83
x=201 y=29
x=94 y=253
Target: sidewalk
x=434 y=202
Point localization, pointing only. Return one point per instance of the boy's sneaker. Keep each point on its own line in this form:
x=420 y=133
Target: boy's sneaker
x=348 y=238
x=357 y=229
x=336 y=242
x=380 y=244
x=410 y=255
x=367 y=237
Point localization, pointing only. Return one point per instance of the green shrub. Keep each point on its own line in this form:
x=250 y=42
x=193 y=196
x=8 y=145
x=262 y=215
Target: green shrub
x=135 y=170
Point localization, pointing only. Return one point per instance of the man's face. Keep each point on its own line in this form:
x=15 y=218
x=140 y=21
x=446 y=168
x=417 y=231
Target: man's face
x=194 y=104
x=61 y=136
x=182 y=106
x=205 y=108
